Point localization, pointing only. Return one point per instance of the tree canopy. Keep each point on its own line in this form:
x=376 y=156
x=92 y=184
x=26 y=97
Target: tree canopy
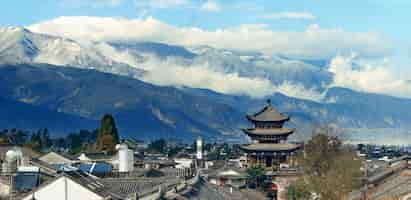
x=255 y=175
x=108 y=136
x=331 y=170
x=159 y=146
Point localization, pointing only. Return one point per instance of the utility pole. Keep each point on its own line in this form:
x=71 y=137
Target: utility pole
x=11 y=187
x=65 y=188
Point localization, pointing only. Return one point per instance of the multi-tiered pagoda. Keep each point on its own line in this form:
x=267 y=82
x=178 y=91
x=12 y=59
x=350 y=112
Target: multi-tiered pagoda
x=269 y=147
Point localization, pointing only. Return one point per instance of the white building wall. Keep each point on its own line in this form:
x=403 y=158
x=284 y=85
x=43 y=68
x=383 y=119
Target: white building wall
x=130 y=160
x=4 y=190
x=125 y=158
x=64 y=189
x=199 y=148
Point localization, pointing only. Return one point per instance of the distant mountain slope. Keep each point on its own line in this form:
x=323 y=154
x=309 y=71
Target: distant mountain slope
x=342 y=107
x=148 y=111
x=375 y=110
x=140 y=109
x=28 y=117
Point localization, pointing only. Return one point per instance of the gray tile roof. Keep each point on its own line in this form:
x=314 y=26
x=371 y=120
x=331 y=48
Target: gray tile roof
x=99 y=156
x=90 y=183
x=268 y=114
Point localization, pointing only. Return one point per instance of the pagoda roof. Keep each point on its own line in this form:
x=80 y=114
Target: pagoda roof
x=268 y=114
x=270 y=147
x=273 y=131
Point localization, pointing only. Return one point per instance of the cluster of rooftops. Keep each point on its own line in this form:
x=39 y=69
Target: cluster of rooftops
x=268 y=135
x=91 y=172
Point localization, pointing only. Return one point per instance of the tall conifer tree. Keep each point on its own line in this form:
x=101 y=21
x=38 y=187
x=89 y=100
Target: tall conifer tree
x=107 y=137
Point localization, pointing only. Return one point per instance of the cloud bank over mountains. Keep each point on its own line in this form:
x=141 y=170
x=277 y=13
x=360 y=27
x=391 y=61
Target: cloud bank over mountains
x=368 y=77
x=316 y=43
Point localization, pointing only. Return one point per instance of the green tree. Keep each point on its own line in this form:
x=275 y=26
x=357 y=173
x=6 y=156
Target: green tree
x=159 y=146
x=299 y=190
x=45 y=138
x=255 y=175
x=4 y=140
x=35 y=141
x=75 y=142
x=107 y=137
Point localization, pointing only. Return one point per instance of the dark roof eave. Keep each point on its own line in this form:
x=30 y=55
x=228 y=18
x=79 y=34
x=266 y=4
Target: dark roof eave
x=285 y=133
x=254 y=119
x=279 y=150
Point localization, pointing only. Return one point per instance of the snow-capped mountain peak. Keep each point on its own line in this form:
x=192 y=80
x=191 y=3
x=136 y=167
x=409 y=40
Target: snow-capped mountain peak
x=19 y=45
x=237 y=69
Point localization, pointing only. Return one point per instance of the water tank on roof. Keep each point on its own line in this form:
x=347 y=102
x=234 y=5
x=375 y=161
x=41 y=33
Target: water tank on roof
x=199 y=144
x=125 y=158
x=12 y=161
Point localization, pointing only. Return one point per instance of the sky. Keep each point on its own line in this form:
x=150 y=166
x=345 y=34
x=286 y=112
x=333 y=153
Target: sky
x=374 y=32
x=386 y=17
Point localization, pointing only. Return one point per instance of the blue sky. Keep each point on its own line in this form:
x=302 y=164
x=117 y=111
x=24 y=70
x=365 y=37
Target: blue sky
x=388 y=18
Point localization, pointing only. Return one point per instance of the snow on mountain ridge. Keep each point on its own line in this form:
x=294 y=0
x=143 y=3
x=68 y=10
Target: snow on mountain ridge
x=16 y=45
x=20 y=45
x=222 y=70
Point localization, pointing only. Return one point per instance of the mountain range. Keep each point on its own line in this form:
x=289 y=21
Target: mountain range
x=67 y=85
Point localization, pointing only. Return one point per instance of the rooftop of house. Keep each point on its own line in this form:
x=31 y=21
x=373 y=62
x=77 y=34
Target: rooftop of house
x=97 y=156
x=229 y=172
x=57 y=157
x=96 y=168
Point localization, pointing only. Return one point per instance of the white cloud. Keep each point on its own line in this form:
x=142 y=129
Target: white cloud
x=201 y=77
x=211 y=6
x=314 y=42
x=368 y=77
x=172 y=72
x=90 y=3
x=167 y=72
x=154 y=4
x=115 y=2
x=299 y=91
x=289 y=15
x=248 y=6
